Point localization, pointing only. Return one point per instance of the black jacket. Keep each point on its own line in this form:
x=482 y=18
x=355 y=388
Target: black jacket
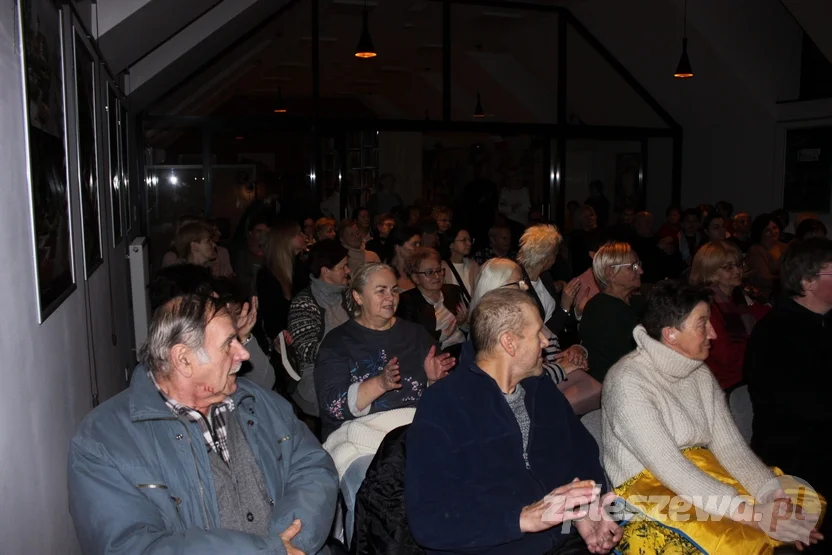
x=414 y=308
x=788 y=368
x=557 y=324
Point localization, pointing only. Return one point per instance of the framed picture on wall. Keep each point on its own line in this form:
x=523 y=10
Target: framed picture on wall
x=113 y=164
x=44 y=98
x=85 y=102
x=629 y=192
x=125 y=171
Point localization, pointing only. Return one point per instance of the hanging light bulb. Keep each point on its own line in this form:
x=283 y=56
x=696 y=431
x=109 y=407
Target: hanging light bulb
x=281 y=109
x=478 y=111
x=365 y=47
x=683 y=68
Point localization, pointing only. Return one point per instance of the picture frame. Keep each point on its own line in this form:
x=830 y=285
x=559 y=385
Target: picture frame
x=113 y=164
x=43 y=75
x=125 y=169
x=86 y=137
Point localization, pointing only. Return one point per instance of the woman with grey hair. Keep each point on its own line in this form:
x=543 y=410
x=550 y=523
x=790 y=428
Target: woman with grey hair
x=375 y=361
x=538 y=249
x=611 y=316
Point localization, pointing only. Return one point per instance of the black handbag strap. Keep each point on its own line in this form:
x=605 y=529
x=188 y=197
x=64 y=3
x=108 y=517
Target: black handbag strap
x=466 y=296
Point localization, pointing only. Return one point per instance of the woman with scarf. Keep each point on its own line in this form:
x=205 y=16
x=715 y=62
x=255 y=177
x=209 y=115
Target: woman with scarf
x=719 y=267
x=316 y=311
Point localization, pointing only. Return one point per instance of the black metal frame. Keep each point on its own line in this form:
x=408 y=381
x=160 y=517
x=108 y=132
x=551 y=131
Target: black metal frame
x=559 y=132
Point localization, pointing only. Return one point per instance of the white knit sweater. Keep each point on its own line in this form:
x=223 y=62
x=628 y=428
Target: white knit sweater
x=655 y=403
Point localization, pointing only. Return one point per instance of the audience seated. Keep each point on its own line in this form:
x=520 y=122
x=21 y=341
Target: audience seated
x=460 y=268
x=375 y=361
x=249 y=258
x=763 y=258
x=403 y=242
x=436 y=306
x=380 y=243
x=690 y=236
x=810 y=228
x=609 y=318
x=362 y=219
x=315 y=311
x=495 y=454
x=567 y=368
x=325 y=229
x=193 y=244
x=586 y=225
x=538 y=248
x=192 y=459
x=718 y=265
x=741 y=231
x=668 y=431
x=787 y=367
x=672 y=225
x=713 y=227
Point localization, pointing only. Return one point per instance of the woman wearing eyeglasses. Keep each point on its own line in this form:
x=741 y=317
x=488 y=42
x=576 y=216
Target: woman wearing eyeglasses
x=460 y=268
x=433 y=304
x=611 y=316
x=719 y=266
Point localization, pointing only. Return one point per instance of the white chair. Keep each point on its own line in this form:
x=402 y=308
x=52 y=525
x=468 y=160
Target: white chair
x=740 y=404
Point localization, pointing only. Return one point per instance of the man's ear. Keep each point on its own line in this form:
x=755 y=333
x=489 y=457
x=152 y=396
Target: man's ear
x=507 y=342
x=180 y=360
x=669 y=335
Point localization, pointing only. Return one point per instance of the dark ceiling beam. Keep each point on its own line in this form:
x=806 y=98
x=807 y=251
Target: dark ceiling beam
x=117 y=34
x=508 y=5
x=251 y=34
x=282 y=123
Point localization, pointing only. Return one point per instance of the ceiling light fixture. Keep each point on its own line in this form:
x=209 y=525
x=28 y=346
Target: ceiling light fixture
x=478 y=111
x=365 y=47
x=683 y=69
x=281 y=109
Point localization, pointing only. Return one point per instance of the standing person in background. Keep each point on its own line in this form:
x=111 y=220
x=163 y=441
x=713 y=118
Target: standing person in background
x=599 y=203
x=385 y=200
x=515 y=203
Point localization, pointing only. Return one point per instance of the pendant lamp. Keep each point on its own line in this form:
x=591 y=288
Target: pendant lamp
x=683 y=69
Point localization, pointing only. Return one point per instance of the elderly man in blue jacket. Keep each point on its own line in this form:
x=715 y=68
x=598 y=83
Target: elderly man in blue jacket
x=497 y=460
x=192 y=460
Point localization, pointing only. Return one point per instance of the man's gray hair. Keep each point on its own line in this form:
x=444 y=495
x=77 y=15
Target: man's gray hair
x=538 y=243
x=498 y=312
x=180 y=321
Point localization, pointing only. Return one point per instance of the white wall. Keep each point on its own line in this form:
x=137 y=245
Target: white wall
x=46 y=379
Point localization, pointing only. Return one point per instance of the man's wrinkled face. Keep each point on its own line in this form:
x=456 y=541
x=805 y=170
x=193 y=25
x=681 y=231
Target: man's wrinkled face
x=215 y=367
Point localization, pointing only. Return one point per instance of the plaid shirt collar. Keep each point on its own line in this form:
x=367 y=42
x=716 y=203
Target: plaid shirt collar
x=214 y=427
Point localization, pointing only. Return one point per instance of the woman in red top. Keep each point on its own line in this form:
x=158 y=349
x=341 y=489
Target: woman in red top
x=719 y=266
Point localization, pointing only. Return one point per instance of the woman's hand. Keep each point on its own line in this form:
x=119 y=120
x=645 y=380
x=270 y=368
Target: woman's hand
x=461 y=314
x=570 y=291
x=246 y=319
x=574 y=356
x=390 y=378
x=438 y=366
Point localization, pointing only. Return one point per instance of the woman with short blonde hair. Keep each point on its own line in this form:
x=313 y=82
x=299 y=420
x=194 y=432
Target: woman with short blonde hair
x=719 y=267
x=610 y=317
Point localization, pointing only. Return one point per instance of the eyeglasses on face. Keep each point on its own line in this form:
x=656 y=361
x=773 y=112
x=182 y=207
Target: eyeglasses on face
x=523 y=284
x=634 y=266
x=731 y=266
x=432 y=272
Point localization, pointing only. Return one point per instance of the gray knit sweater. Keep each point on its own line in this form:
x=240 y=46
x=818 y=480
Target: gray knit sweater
x=657 y=402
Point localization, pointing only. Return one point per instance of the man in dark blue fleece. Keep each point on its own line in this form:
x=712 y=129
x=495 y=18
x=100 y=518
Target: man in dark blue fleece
x=496 y=458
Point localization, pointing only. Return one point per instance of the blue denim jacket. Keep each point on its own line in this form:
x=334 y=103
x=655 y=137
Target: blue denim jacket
x=140 y=480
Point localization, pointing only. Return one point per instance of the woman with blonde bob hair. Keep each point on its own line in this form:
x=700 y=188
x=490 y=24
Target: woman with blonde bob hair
x=719 y=267
x=611 y=316
x=538 y=250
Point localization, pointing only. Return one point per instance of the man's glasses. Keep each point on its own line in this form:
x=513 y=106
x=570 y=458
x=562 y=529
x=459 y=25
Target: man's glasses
x=523 y=284
x=432 y=272
x=635 y=266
